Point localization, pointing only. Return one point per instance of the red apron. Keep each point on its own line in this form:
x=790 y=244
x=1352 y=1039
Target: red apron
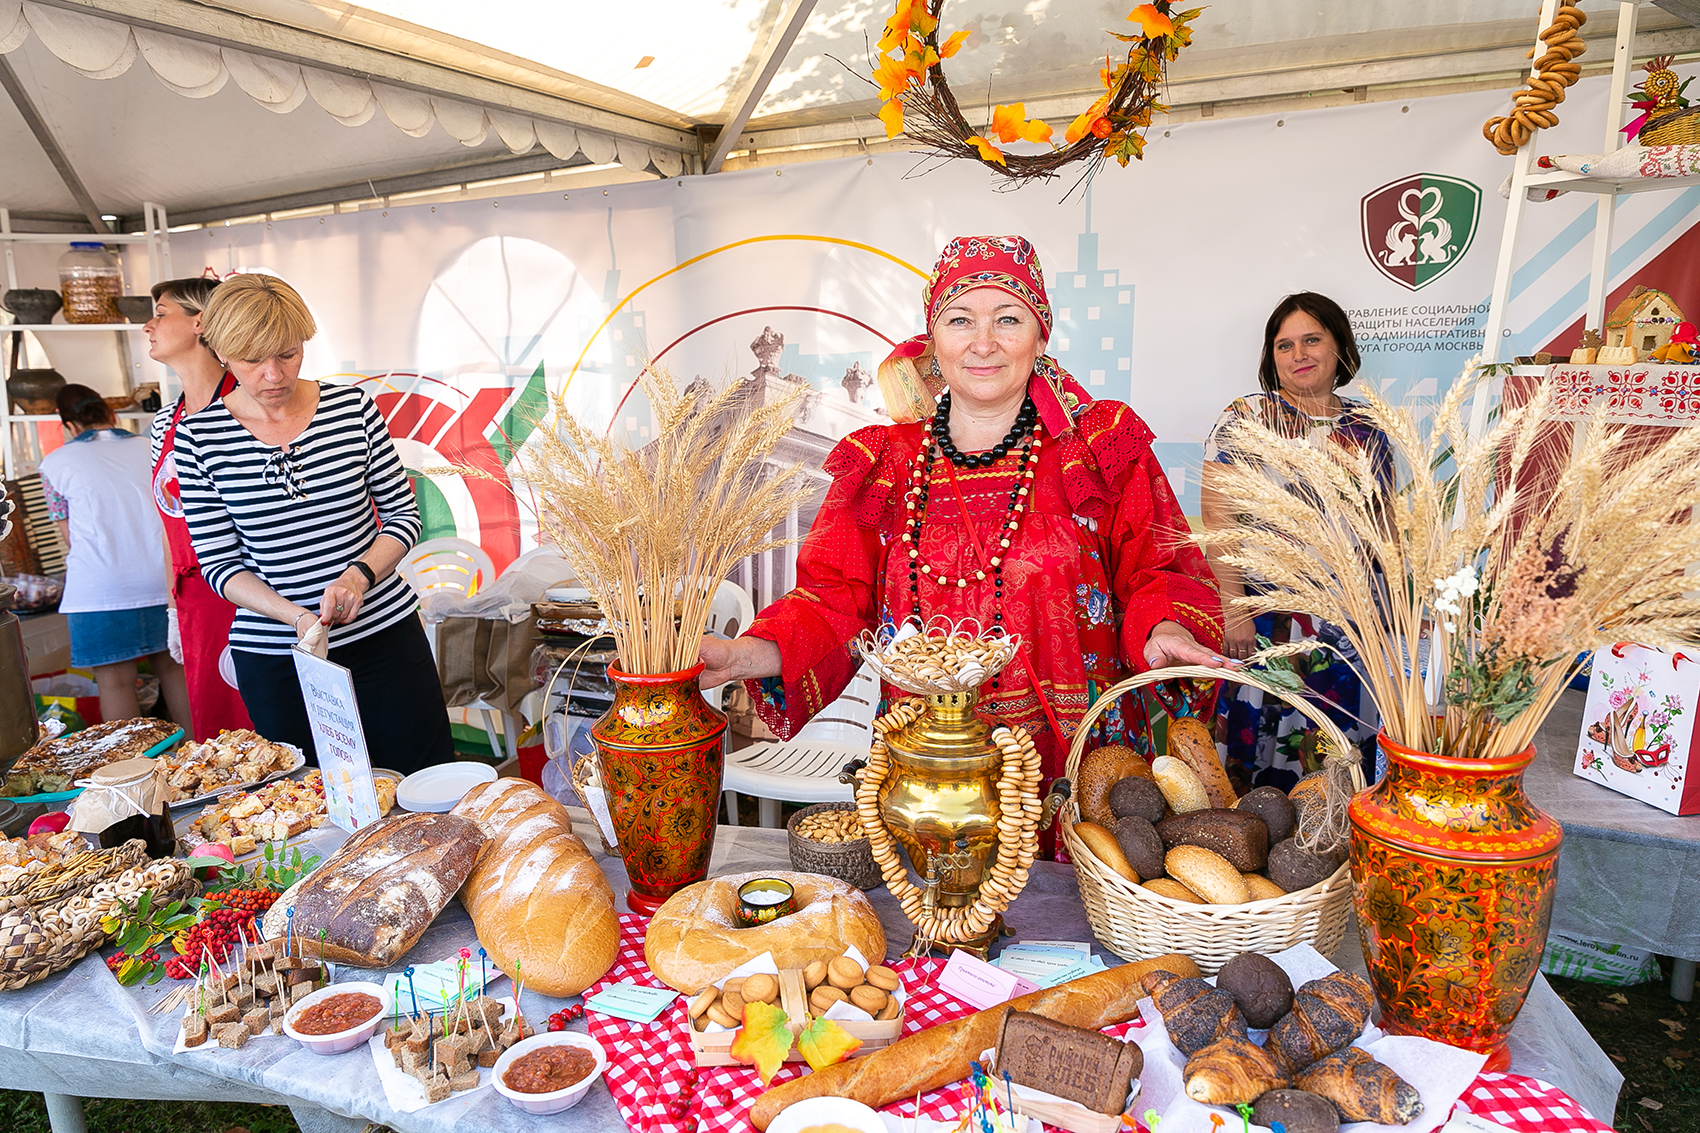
x=203 y=618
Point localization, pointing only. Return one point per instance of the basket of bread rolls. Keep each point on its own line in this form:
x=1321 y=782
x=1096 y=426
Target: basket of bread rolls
x=1170 y=859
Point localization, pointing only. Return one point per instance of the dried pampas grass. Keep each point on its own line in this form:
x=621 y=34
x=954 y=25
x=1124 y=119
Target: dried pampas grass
x=1512 y=552
x=651 y=532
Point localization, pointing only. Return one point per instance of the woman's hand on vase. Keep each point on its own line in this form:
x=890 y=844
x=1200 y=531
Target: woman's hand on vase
x=1239 y=637
x=743 y=658
x=1171 y=643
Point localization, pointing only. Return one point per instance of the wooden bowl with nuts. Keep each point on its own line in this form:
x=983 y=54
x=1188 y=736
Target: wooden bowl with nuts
x=827 y=838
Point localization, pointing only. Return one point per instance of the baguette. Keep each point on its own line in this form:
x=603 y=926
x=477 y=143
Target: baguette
x=537 y=896
x=1190 y=742
x=940 y=1055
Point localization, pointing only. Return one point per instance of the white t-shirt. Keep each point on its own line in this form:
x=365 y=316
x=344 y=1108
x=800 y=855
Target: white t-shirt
x=105 y=480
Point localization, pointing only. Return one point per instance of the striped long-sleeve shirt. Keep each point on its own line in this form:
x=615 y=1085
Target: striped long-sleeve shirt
x=297 y=516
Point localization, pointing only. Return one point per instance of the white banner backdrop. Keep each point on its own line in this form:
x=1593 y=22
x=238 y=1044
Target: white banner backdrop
x=1161 y=276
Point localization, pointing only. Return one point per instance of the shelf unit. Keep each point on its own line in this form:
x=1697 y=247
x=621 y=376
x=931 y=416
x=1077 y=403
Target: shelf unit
x=156 y=239
x=1525 y=176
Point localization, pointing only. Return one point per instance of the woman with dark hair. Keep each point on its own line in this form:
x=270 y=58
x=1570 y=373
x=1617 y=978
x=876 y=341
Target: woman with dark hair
x=96 y=486
x=1308 y=355
x=198 y=620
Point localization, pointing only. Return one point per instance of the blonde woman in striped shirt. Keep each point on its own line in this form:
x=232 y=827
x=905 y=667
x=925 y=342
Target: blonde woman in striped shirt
x=300 y=511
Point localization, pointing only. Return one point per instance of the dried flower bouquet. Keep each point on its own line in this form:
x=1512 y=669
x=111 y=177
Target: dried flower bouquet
x=1511 y=552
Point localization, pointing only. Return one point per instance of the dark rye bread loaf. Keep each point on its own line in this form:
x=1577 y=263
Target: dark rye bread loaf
x=378 y=894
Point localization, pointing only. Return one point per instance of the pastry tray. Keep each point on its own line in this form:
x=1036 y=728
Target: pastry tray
x=63 y=796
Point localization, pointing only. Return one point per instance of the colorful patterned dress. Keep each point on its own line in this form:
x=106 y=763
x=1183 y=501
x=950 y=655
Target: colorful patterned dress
x=1097 y=562
x=1268 y=742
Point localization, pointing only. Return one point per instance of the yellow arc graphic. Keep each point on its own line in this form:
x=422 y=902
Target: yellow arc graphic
x=633 y=294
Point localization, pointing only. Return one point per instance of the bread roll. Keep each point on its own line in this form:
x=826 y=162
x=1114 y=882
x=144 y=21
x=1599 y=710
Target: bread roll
x=1180 y=785
x=1141 y=797
x=693 y=940
x=1104 y=847
x=1173 y=889
x=1276 y=810
x=1293 y=867
x=1259 y=986
x=1101 y=769
x=1361 y=1088
x=1207 y=874
x=1261 y=888
x=1141 y=845
x=537 y=895
x=940 y=1055
x=381 y=890
x=1231 y=1071
x=1191 y=742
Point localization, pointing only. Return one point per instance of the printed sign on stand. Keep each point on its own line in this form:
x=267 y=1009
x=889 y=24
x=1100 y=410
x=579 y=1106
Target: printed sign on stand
x=351 y=801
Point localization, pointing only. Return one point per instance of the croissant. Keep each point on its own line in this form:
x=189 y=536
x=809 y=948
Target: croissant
x=1327 y=1014
x=1231 y=1071
x=1361 y=1088
x=1195 y=1013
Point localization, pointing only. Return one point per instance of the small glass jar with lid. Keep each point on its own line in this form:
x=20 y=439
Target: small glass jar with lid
x=90 y=282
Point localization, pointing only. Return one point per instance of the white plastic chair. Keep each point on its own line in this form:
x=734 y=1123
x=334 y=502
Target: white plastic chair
x=460 y=565
x=546 y=565
x=730 y=613
x=806 y=769
x=447 y=564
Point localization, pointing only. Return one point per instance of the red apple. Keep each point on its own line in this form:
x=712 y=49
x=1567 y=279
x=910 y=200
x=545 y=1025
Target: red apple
x=50 y=823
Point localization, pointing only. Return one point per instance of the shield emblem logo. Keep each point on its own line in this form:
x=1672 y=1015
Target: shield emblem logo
x=1415 y=229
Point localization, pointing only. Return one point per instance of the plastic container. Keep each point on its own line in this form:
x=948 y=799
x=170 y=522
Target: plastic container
x=556 y=1101
x=342 y=1040
x=90 y=281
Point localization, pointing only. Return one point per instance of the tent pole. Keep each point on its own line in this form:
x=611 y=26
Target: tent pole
x=777 y=49
x=38 y=126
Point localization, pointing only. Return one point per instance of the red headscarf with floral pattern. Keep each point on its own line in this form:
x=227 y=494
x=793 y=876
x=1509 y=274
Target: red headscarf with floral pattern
x=909 y=378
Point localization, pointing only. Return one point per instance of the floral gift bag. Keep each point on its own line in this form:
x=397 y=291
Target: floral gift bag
x=1639 y=727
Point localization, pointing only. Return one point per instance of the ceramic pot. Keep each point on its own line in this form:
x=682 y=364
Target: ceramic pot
x=659 y=748
x=1453 y=870
x=135 y=308
x=33 y=305
x=35 y=389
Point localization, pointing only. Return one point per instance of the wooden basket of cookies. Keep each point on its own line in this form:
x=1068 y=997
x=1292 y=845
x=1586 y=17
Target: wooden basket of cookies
x=1169 y=859
x=866 y=1001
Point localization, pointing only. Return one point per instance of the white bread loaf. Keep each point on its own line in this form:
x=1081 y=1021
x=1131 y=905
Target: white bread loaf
x=537 y=896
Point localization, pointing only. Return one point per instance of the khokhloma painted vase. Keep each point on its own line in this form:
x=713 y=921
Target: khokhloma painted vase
x=661 y=758
x=1453 y=870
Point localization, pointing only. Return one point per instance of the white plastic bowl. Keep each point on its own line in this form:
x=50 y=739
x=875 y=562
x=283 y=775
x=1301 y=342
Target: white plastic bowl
x=342 y=1040
x=555 y=1101
x=438 y=789
x=820 y=1111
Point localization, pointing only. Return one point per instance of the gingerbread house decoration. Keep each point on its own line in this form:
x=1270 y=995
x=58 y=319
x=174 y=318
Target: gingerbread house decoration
x=1644 y=321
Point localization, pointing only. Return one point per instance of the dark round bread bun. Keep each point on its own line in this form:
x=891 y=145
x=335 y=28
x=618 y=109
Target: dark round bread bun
x=1294 y=868
x=1138 y=795
x=1276 y=810
x=1297 y=1111
x=1259 y=986
x=1141 y=846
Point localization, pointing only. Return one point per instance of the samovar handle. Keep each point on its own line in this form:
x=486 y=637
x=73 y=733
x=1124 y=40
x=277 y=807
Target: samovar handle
x=1061 y=791
x=848 y=776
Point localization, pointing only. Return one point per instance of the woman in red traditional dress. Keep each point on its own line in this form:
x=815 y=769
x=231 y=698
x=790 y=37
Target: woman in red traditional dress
x=1020 y=502
x=200 y=619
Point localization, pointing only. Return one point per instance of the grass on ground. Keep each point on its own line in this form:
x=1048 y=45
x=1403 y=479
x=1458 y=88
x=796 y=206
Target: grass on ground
x=1650 y=1037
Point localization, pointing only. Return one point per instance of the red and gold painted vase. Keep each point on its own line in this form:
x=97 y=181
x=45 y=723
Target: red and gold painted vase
x=1453 y=872
x=661 y=759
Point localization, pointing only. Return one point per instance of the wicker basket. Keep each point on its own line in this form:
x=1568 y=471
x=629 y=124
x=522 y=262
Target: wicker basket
x=847 y=861
x=1137 y=924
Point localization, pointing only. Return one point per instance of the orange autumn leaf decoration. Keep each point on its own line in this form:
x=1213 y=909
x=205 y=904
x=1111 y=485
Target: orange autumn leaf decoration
x=891 y=117
x=988 y=152
x=1151 y=22
x=954 y=44
x=1010 y=123
x=764 y=1039
x=823 y=1043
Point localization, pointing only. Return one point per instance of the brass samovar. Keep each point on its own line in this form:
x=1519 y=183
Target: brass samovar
x=932 y=785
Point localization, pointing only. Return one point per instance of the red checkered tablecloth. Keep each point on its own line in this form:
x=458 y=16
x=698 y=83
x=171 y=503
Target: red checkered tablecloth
x=659 y=1088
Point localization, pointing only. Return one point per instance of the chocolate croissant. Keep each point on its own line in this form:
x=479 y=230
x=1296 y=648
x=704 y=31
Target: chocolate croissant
x=1327 y=1014
x=1361 y=1088
x=1195 y=1013
x=1231 y=1071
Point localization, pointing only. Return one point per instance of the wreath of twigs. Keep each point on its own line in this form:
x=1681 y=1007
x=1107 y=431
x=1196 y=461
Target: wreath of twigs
x=917 y=100
x=1535 y=105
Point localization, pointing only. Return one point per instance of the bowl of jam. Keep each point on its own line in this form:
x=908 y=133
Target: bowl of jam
x=549 y=1072
x=337 y=1018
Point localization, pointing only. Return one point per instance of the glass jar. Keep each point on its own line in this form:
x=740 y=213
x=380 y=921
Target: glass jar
x=126 y=800
x=90 y=282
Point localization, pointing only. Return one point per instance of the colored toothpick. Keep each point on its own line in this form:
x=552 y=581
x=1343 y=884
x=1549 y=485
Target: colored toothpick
x=483 y=979
x=1216 y=1122
x=1009 y=1091
x=289 y=931
x=1151 y=1119
x=413 y=991
x=1244 y=1109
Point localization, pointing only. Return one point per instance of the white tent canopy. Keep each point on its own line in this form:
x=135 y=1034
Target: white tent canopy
x=242 y=107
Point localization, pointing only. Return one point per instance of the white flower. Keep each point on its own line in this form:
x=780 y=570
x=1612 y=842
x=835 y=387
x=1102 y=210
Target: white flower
x=1449 y=591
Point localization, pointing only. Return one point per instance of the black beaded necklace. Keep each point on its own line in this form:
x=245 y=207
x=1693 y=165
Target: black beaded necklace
x=1024 y=420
